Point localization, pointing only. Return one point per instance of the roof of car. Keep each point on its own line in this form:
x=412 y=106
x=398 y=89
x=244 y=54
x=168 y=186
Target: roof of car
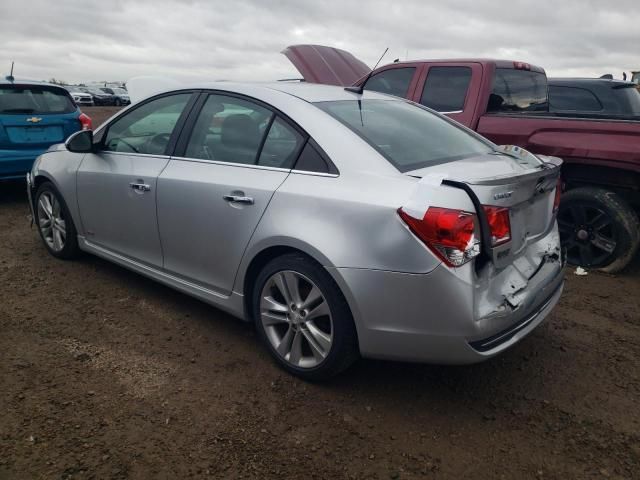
x=588 y=81
x=485 y=61
x=25 y=81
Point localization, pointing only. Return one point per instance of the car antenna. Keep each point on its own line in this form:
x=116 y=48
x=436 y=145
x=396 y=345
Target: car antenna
x=360 y=88
x=10 y=77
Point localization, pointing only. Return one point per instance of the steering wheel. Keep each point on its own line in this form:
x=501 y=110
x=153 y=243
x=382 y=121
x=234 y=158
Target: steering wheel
x=158 y=143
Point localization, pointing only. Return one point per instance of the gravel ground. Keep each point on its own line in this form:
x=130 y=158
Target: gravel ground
x=105 y=374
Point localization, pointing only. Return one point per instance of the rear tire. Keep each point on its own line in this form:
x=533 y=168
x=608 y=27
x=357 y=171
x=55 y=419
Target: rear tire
x=117 y=103
x=598 y=228
x=54 y=223
x=309 y=329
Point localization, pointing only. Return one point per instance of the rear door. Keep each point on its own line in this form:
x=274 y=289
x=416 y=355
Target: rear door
x=117 y=185
x=231 y=158
x=32 y=117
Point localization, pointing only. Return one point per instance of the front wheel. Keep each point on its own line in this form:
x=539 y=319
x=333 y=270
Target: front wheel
x=598 y=229
x=54 y=222
x=118 y=102
x=303 y=318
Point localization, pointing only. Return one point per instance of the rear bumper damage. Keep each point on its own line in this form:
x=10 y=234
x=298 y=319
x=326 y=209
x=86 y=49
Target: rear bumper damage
x=453 y=316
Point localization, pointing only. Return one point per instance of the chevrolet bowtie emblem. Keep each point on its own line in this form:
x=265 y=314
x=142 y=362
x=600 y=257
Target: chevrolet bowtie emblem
x=34 y=119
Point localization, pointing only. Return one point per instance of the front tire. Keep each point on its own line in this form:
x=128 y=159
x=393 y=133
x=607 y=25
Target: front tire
x=303 y=318
x=598 y=228
x=54 y=222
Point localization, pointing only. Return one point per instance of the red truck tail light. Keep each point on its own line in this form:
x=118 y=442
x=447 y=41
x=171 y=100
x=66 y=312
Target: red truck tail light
x=521 y=66
x=85 y=121
x=448 y=233
x=558 y=194
x=498 y=220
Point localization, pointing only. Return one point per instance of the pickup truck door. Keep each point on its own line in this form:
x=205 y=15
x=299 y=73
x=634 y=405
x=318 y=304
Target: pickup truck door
x=451 y=88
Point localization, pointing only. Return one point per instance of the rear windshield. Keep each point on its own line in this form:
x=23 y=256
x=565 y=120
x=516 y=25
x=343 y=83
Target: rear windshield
x=407 y=135
x=629 y=99
x=21 y=99
x=518 y=91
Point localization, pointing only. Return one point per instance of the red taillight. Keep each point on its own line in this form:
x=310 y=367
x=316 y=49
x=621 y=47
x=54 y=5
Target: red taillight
x=498 y=220
x=85 y=121
x=521 y=66
x=556 y=199
x=448 y=233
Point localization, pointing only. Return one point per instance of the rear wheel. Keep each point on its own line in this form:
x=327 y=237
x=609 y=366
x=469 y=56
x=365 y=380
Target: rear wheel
x=303 y=318
x=598 y=229
x=118 y=102
x=54 y=222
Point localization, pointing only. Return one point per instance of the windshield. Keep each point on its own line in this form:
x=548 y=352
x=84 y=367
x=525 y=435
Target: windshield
x=407 y=135
x=630 y=100
x=120 y=91
x=20 y=99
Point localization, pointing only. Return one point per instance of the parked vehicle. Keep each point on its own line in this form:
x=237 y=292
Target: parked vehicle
x=120 y=94
x=99 y=97
x=33 y=116
x=594 y=98
x=341 y=224
x=81 y=98
x=507 y=102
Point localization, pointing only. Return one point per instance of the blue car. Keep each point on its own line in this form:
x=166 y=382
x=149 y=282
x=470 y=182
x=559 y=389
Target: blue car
x=33 y=116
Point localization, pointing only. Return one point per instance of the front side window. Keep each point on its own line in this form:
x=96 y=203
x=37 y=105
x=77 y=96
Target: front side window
x=408 y=136
x=148 y=128
x=518 y=91
x=573 y=99
x=234 y=130
x=446 y=88
x=394 y=81
x=34 y=99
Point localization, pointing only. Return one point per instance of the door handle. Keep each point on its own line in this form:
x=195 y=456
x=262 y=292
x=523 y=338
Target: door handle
x=140 y=187
x=238 y=199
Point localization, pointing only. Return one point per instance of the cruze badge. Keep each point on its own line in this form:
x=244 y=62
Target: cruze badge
x=34 y=119
x=501 y=195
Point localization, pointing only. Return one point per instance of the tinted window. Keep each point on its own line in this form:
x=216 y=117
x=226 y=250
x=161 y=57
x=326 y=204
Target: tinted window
x=33 y=99
x=446 y=88
x=518 y=91
x=148 y=128
x=311 y=160
x=229 y=129
x=394 y=81
x=629 y=99
x=408 y=136
x=281 y=147
x=573 y=99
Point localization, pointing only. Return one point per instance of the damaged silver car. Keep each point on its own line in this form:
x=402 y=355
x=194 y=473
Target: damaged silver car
x=342 y=223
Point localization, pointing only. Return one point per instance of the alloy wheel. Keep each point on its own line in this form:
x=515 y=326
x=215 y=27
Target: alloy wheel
x=588 y=234
x=296 y=318
x=51 y=221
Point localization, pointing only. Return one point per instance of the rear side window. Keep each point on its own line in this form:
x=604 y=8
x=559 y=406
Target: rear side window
x=394 y=81
x=311 y=160
x=518 y=91
x=446 y=88
x=573 y=99
x=628 y=99
x=34 y=99
x=281 y=147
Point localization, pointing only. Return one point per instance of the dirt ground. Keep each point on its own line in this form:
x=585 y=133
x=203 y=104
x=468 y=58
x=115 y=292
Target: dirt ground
x=105 y=374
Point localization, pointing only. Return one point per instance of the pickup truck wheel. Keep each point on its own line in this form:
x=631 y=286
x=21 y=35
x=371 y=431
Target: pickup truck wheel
x=598 y=229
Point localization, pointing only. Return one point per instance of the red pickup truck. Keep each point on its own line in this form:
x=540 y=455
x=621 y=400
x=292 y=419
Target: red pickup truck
x=508 y=103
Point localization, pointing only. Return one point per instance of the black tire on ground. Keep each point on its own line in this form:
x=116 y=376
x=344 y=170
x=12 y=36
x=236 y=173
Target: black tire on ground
x=344 y=349
x=598 y=228
x=118 y=102
x=70 y=249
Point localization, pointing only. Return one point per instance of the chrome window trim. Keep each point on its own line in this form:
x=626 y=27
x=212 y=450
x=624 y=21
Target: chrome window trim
x=447 y=113
x=134 y=154
x=255 y=167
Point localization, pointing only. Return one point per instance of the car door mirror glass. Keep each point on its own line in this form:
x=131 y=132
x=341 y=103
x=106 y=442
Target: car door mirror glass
x=80 y=142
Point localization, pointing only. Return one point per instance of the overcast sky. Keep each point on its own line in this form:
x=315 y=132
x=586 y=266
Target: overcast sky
x=87 y=40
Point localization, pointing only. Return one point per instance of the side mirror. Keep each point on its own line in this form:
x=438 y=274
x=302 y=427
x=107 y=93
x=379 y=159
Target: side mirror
x=80 y=142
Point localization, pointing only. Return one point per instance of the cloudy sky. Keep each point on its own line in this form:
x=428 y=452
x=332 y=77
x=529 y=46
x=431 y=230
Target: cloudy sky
x=80 y=41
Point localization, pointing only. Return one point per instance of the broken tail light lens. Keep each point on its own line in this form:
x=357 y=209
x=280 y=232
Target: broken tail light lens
x=558 y=194
x=85 y=121
x=499 y=223
x=448 y=233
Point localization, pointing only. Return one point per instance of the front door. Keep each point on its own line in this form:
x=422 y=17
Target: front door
x=117 y=185
x=211 y=198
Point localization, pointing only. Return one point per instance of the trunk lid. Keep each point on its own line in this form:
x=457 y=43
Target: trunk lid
x=34 y=131
x=326 y=65
x=515 y=179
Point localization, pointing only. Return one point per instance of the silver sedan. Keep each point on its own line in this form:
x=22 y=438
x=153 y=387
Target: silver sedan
x=343 y=224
